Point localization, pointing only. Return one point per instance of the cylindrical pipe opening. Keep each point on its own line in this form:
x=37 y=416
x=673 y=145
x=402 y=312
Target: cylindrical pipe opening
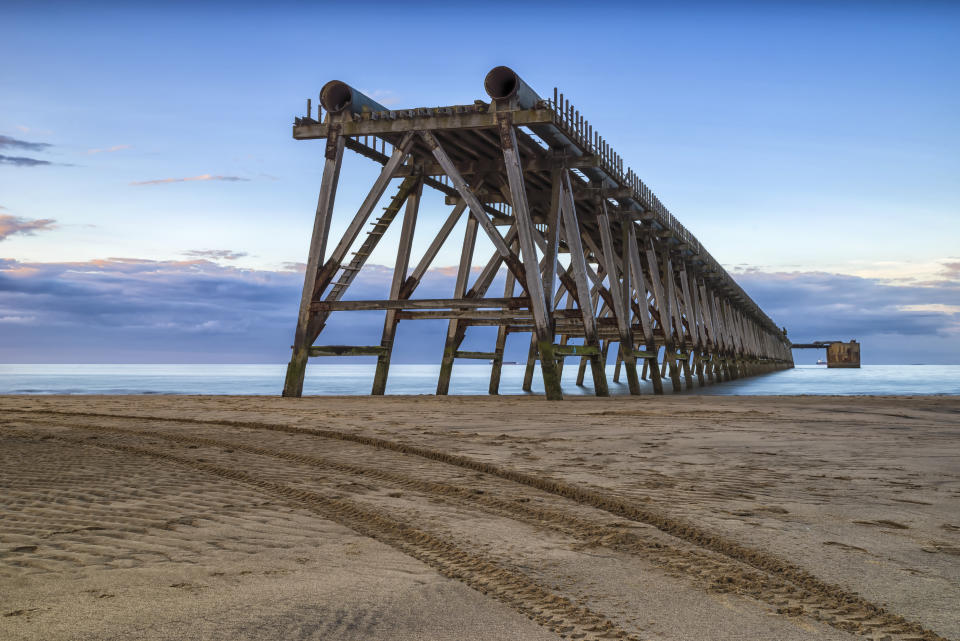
x=336 y=96
x=501 y=82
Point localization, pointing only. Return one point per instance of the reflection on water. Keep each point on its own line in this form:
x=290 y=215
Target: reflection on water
x=347 y=378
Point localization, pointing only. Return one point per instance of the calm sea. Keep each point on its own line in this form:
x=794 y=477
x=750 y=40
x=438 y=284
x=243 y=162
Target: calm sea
x=335 y=378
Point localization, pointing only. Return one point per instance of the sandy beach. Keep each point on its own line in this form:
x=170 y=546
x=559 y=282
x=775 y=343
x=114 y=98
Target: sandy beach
x=188 y=517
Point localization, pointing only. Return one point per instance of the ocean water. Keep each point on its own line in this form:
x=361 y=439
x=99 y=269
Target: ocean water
x=351 y=378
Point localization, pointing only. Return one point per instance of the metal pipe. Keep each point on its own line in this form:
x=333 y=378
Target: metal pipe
x=503 y=83
x=337 y=96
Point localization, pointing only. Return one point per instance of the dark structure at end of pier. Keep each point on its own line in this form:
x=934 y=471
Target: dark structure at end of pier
x=839 y=354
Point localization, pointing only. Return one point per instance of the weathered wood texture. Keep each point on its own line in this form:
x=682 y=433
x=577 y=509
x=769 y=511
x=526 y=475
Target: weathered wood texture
x=592 y=256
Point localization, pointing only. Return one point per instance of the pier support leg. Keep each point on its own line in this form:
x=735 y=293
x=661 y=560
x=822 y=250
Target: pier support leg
x=497 y=361
x=454 y=331
x=531 y=363
x=561 y=360
x=542 y=318
x=674 y=369
x=655 y=377
x=582 y=371
x=296 y=369
x=663 y=306
x=578 y=265
x=620 y=307
x=687 y=373
x=399 y=277
x=501 y=338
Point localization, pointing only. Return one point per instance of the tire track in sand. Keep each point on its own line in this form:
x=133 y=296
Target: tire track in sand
x=707 y=570
x=512 y=587
x=782 y=584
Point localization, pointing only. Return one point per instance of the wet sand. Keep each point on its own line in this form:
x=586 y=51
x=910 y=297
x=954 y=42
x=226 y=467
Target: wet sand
x=159 y=517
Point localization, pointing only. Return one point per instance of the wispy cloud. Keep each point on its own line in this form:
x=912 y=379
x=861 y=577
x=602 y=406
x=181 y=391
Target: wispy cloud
x=951 y=269
x=386 y=97
x=936 y=308
x=203 y=310
x=6 y=142
x=25 y=129
x=201 y=177
x=215 y=254
x=10 y=225
x=15 y=143
x=823 y=306
x=22 y=161
x=108 y=149
x=292 y=266
x=191 y=310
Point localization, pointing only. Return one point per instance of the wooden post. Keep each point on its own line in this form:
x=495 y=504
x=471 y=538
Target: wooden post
x=296 y=369
x=632 y=249
x=620 y=308
x=578 y=264
x=531 y=363
x=501 y=338
x=730 y=366
x=565 y=338
x=723 y=369
x=460 y=288
x=399 y=276
x=681 y=342
x=693 y=323
x=710 y=337
x=582 y=370
x=531 y=264
x=604 y=354
x=552 y=247
x=663 y=310
x=583 y=360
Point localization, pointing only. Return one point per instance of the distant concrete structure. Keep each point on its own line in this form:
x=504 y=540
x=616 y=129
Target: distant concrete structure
x=839 y=354
x=843 y=354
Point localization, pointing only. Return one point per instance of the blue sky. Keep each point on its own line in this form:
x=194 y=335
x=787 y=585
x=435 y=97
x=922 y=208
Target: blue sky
x=811 y=147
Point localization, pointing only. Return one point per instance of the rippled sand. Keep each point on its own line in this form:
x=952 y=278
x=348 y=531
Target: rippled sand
x=479 y=518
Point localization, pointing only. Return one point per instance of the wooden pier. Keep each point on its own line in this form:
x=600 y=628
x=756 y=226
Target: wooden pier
x=592 y=256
